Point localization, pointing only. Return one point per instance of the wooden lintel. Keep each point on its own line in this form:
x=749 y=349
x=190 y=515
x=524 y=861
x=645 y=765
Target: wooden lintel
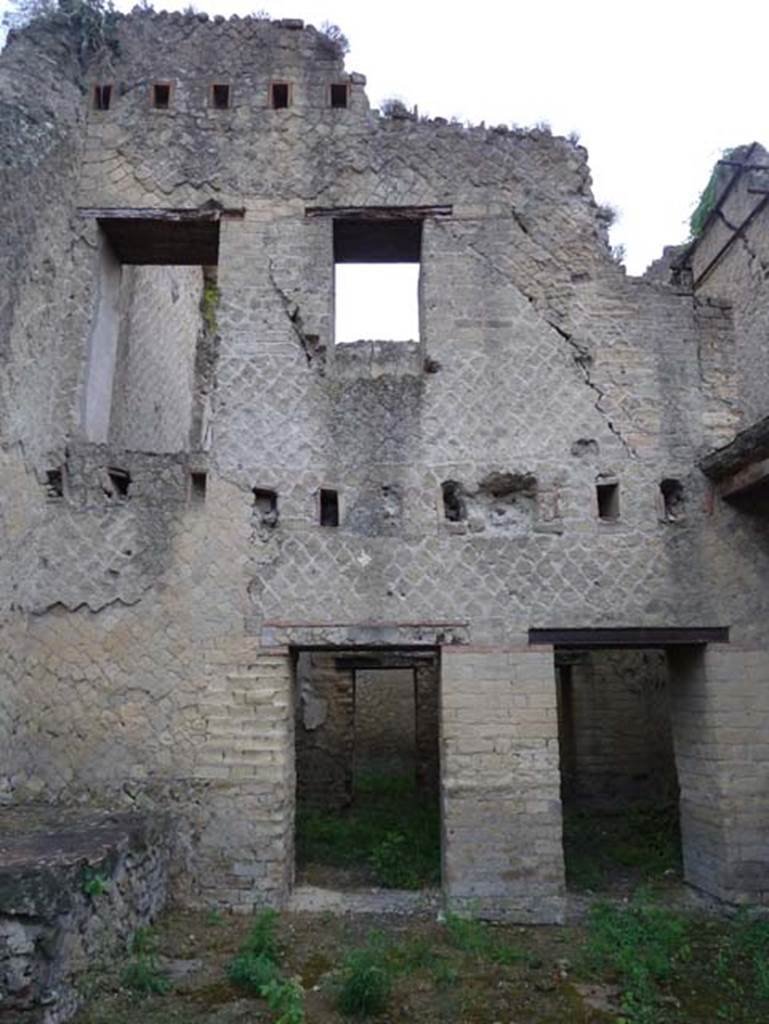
x=150 y=213
x=749 y=447
x=743 y=480
x=642 y=637
x=388 y=213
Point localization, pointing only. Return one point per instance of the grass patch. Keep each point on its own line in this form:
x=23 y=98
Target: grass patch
x=390 y=828
x=643 y=841
x=642 y=945
x=478 y=939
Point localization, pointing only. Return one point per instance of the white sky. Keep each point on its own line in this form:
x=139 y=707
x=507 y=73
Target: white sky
x=655 y=89
x=376 y=301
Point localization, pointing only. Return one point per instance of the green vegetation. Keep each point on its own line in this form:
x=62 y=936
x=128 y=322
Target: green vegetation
x=642 y=944
x=143 y=974
x=209 y=305
x=642 y=842
x=709 y=196
x=390 y=828
x=633 y=961
x=94 y=883
x=256 y=967
x=93 y=22
x=366 y=980
x=479 y=939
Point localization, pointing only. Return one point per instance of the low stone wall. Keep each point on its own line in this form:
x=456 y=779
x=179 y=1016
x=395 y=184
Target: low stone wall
x=73 y=891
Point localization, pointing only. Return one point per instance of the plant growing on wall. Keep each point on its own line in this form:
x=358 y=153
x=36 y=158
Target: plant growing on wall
x=709 y=195
x=92 y=21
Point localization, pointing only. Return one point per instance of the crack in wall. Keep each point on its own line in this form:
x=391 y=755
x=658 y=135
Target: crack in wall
x=580 y=355
x=314 y=351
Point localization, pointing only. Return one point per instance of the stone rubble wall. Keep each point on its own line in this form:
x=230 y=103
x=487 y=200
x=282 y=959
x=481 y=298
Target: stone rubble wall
x=72 y=895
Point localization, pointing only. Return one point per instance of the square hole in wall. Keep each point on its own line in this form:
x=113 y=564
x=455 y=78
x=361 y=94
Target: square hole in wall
x=102 y=96
x=119 y=482
x=328 y=501
x=607 y=494
x=673 y=502
x=266 y=505
x=280 y=95
x=376 y=279
x=161 y=95
x=198 y=484
x=339 y=93
x=54 y=484
x=220 y=96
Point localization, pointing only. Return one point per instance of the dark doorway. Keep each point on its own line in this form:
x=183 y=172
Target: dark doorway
x=367 y=769
x=619 y=787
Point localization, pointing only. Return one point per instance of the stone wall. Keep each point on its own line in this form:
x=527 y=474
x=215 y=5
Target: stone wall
x=732 y=267
x=615 y=729
x=154 y=377
x=74 y=889
x=385 y=722
x=146 y=635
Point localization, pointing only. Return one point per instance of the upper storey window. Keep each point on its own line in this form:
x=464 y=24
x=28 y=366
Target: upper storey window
x=376 y=278
x=339 y=93
x=280 y=95
x=102 y=96
x=161 y=95
x=220 y=96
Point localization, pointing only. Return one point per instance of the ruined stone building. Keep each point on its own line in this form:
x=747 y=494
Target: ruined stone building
x=212 y=514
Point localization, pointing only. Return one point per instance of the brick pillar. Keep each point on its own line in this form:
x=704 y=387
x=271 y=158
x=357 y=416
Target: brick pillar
x=427 y=704
x=244 y=850
x=720 y=712
x=502 y=850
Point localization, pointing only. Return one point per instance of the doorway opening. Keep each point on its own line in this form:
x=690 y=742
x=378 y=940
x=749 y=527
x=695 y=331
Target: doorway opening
x=367 y=769
x=619 y=785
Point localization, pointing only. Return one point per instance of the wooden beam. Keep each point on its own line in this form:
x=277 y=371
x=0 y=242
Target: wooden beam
x=386 y=213
x=749 y=478
x=664 y=636
x=210 y=213
x=749 y=446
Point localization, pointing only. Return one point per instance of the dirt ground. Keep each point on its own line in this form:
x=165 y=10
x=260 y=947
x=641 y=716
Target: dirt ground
x=519 y=975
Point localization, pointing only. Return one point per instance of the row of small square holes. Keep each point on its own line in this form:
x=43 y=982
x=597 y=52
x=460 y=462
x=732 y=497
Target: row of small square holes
x=220 y=95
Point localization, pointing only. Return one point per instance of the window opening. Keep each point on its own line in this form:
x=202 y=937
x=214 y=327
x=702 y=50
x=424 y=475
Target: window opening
x=120 y=483
x=220 y=97
x=266 y=505
x=198 y=482
x=339 y=95
x=329 y=507
x=54 y=484
x=102 y=96
x=280 y=95
x=161 y=95
x=608 y=500
x=376 y=279
x=454 y=504
x=672 y=492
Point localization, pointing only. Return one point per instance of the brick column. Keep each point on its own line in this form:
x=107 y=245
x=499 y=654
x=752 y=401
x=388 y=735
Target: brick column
x=502 y=851
x=244 y=853
x=720 y=712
